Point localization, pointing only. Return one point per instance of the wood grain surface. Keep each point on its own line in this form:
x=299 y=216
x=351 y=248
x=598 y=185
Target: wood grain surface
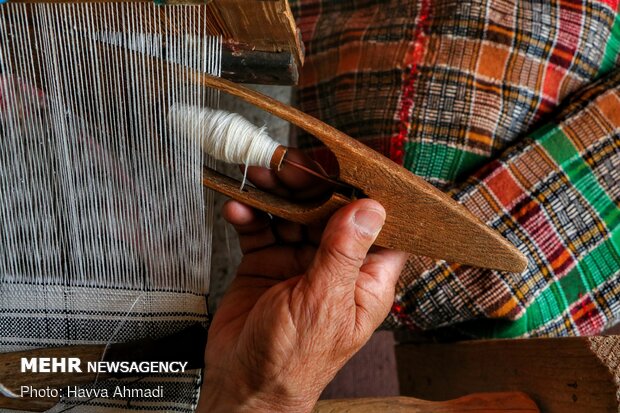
x=12 y=378
x=560 y=374
x=509 y=402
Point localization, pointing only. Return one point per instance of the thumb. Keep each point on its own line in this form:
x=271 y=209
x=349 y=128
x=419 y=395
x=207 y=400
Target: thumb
x=346 y=240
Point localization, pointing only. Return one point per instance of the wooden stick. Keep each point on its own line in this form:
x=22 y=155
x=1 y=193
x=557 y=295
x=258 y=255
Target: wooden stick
x=560 y=374
x=31 y=405
x=510 y=402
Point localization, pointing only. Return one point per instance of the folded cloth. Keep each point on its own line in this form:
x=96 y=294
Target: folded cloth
x=461 y=93
x=554 y=195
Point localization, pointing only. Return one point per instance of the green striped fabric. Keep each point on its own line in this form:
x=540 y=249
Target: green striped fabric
x=511 y=107
x=559 y=190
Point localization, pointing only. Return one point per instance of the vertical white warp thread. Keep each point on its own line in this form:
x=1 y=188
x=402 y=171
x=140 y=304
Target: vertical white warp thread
x=226 y=136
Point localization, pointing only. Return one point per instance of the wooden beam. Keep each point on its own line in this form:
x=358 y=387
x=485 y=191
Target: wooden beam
x=261 y=41
x=511 y=402
x=266 y=25
x=576 y=375
x=254 y=66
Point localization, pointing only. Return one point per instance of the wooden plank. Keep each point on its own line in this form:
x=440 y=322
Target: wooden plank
x=561 y=375
x=510 y=402
x=266 y=25
x=261 y=41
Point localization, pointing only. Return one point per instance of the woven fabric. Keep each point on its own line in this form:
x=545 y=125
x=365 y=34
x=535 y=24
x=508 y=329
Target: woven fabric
x=607 y=350
x=469 y=96
x=36 y=316
x=104 y=236
x=555 y=196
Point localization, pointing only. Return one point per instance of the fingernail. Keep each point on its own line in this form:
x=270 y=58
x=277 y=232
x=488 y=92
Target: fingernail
x=369 y=221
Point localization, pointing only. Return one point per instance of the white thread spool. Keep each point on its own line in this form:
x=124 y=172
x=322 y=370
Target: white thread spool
x=226 y=136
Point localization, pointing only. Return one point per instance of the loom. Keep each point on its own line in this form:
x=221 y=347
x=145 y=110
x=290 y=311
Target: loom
x=105 y=226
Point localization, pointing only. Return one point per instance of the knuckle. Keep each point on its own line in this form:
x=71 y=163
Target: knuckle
x=344 y=257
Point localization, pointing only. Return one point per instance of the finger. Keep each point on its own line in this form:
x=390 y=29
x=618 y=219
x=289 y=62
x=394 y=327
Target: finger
x=384 y=262
x=346 y=240
x=267 y=180
x=286 y=262
x=303 y=185
x=241 y=296
x=315 y=233
x=374 y=293
x=243 y=217
x=289 y=232
x=252 y=226
x=291 y=181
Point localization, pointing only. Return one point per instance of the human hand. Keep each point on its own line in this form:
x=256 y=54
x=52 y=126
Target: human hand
x=297 y=310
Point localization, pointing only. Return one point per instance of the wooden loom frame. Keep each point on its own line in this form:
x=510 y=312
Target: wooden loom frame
x=261 y=42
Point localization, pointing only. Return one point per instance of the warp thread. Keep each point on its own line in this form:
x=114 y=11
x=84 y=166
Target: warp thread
x=97 y=199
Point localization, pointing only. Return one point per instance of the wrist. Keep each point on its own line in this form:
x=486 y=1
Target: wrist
x=223 y=393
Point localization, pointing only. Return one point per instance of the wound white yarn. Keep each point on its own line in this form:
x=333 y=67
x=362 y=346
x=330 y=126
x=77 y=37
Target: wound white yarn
x=226 y=136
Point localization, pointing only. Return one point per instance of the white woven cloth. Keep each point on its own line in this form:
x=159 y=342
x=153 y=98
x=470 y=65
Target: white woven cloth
x=105 y=228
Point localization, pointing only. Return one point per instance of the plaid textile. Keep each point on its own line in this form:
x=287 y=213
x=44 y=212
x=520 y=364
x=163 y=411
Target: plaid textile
x=555 y=195
x=451 y=88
